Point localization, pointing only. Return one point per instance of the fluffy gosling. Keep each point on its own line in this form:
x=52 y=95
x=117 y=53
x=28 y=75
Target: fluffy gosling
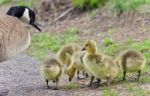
x=131 y=61
x=51 y=70
x=100 y=66
x=76 y=65
x=66 y=51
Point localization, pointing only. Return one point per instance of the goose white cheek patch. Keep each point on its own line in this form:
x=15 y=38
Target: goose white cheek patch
x=25 y=17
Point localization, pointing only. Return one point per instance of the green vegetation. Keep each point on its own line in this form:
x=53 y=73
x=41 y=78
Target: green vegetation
x=71 y=86
x=135 y=90
x=107 y=41
x=29 y=3
x=110 y=92
x=89 y=4
x=43 y=43
x=128 y=5
x=111 y=47
x=145 y=79
x=5 y=1
x=116 y=5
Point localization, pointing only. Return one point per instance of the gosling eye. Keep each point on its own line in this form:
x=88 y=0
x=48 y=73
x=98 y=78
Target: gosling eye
x=86 y=45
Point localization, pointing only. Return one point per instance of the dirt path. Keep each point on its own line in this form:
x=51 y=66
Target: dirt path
x=20 y=77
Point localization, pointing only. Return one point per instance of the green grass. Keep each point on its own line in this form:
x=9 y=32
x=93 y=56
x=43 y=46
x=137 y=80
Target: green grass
x=42 y=43
x=113 y=48
x=71 y=86
x=116 y=5
x=29 y=3
x=89 y=4
x=110 y=92
x=135 y=90
x=144 y=79
x=110 y=47
x=128 y=5
x=5 y=2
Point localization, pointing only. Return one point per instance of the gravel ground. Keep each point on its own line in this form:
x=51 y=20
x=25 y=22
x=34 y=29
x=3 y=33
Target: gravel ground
x=20 y=77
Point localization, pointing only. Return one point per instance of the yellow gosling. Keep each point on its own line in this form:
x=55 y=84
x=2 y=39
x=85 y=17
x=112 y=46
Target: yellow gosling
x=76 y=65
x=66 y=52
x=51 y=70
x=131 y=61
x=99 y=65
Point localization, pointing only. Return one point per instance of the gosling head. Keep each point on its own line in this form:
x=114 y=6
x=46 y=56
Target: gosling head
x=70 y=76
x=25 y=14
x=90 y=47
x=70 y=79
x=70 y=71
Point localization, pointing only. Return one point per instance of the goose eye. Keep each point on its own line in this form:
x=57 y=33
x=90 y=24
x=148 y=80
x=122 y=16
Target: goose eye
x=86 y=45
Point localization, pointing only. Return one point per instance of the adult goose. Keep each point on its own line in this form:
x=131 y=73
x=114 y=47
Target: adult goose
x=14 y=38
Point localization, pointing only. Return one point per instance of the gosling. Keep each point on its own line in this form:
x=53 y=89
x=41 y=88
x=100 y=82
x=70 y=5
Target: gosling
x=76 y=65
x=66 y=52
x=51 y=70
x=99 y=65
x=131 y=61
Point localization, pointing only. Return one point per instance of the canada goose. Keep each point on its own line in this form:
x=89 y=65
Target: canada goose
x=51 y=70
x=99 y=65
x=25 y=14
x=14 y=38
x=76 y=65
x=131 y=61
x=66 y=52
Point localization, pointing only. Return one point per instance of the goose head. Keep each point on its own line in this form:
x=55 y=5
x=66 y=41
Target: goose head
x=25 y=14
x=90 y=47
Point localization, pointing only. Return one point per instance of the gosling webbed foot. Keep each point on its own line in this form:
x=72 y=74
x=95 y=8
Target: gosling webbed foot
x=124 y=75
x=86 y=75
x=47 y=84
x=91 y=81
x=139 y=74
x=89 y=85
x=55 y=88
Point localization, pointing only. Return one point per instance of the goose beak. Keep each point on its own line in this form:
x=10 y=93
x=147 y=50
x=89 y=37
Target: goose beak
x=69 y=79
x=35 y=25
x=82 y=49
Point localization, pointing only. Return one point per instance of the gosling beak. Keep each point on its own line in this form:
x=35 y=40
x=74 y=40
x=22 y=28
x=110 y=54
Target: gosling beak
x=35 y=25
x=83 y=49
x=69 y=79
